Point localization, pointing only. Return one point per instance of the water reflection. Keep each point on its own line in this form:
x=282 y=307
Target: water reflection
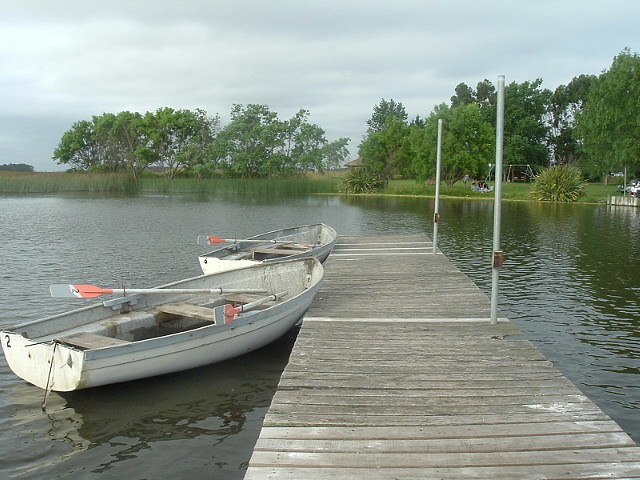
x=570 y=283
x=205 y=407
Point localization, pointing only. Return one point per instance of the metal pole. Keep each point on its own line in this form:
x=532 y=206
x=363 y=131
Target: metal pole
x=436 y=213
x=498 y=257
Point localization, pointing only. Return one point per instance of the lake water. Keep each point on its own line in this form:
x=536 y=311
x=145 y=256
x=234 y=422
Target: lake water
x=571 y=283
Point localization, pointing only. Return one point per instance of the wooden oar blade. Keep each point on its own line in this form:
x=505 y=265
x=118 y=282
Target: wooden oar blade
x=77 y=291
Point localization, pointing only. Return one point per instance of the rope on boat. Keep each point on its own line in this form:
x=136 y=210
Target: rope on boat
x=47 y=389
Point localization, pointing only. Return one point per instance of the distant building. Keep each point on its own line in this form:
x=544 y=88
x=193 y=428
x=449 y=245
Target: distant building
x=354 y=163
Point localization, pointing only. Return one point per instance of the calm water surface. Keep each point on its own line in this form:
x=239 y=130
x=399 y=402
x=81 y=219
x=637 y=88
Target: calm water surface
x=570 y=283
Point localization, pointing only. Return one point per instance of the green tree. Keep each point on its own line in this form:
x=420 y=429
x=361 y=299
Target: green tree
x=485 y=93
x=525 y=126
x=131 y=136
x=17 y=167
x=204 y=152
x=382 y=112
x=386 y=152
x=171 y=132
x=464 y=95
x=486 y=98
x=468 y=144
x=252 y=136
x=608 y=126
x=78 y=147
x=566 y=102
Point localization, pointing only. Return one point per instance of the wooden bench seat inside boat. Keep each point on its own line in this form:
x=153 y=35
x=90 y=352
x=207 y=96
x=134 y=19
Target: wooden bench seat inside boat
x=187 y=310
x=276 y=251
x=206 y=313
x=89 y=341
x=244 y=298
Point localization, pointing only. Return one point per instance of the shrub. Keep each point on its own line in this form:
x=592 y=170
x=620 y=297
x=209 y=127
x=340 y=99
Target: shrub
x=361 y=180
x=561 y=183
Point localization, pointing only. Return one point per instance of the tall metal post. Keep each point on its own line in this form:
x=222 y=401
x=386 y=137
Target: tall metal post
x=498 y=257
x=436 y=213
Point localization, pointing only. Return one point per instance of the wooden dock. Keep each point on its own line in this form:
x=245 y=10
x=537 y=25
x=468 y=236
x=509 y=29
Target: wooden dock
x=397 y=373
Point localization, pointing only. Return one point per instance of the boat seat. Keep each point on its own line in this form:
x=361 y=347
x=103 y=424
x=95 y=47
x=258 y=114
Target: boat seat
x=276 y=251
x=187 y=310
x=88 y=341
x=244 y=298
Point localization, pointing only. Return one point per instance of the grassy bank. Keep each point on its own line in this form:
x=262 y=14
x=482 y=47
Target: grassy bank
x=595 y=192
x=59 y=182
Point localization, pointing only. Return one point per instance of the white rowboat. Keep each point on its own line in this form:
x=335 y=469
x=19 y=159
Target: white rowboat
x=315 y=240
x=143 y=335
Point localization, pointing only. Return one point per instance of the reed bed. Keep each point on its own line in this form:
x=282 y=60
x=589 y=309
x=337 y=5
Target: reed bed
x=255 y=186
x=60 y=182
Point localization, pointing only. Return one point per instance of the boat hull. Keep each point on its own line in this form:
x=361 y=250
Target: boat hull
x=232 y=255
x=54 y=365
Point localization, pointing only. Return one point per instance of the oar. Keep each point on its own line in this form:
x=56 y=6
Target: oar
x=227 y=313
x=213 y=240
x=93 y=291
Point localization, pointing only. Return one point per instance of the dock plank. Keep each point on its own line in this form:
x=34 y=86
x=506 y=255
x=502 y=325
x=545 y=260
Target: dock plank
x=398 y=373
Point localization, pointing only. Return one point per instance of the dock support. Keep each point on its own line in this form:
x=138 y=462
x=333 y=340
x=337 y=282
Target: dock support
x=497 y=203
x=436 y=213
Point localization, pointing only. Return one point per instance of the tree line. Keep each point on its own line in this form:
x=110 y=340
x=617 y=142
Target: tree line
x=254 y=144
x=591 y=123
x=16 y=167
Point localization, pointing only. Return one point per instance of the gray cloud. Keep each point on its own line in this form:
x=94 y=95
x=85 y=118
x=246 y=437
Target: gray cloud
x=65 y=61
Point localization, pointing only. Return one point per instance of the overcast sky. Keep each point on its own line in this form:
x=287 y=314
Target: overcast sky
x=67 y=60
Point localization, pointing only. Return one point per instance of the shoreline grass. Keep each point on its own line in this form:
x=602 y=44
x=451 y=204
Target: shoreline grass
x=329 y=183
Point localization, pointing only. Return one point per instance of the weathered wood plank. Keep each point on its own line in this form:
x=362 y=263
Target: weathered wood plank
x=187 y=310
x=528 y=443
x=399 y=402
x=509 y=472
x=421 y=392
x=441 y=408
x=448 y=431
x=87 y=340
x=450 y=418
x=378 y=459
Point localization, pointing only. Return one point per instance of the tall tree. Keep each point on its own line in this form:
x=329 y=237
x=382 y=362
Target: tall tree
x=609 y=125
x=132 y=136
x=468 y=144
x=382 y=112
x=464 y=95
x=253 y=135
x=386 y=151
x=78 y=147
x=485 y=93
x=566 y=102
x=171 y=133
x=525 y=126
x=204 y=152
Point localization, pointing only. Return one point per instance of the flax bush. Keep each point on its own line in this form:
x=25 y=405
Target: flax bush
x=561 y=183
x=361 y=180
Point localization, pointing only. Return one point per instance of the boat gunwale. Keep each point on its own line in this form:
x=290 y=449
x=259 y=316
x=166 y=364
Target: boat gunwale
x=236 y=245
x=98 y=306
